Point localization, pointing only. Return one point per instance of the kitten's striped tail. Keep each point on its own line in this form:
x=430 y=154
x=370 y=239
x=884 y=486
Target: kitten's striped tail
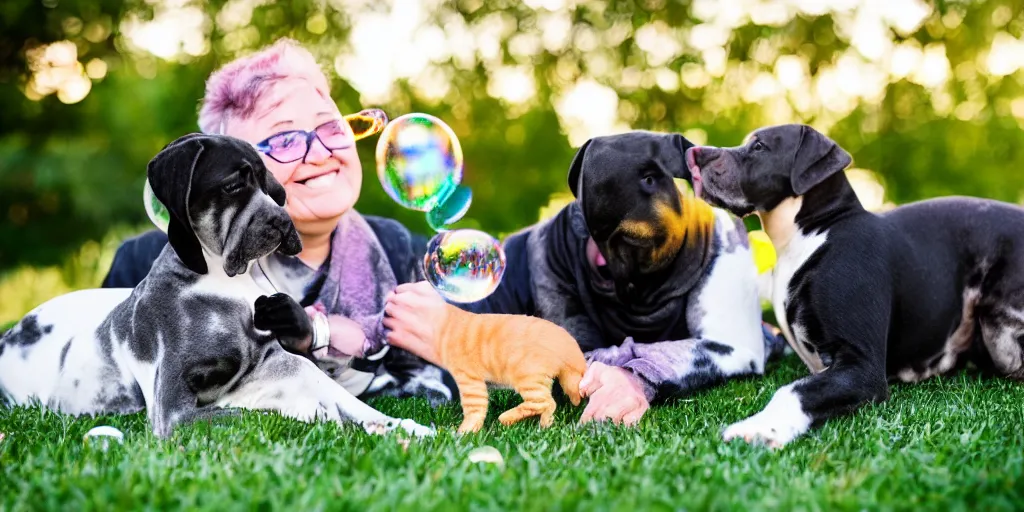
x=569 y=379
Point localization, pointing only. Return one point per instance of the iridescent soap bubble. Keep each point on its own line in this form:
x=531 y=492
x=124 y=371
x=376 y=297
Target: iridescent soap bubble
x=464 y=265
x=367 y=122
x=158 y=214
x=419 y=161
x=451 y=210
x=103 y=437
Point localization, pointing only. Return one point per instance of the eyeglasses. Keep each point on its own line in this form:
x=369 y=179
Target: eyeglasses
x=293 y=145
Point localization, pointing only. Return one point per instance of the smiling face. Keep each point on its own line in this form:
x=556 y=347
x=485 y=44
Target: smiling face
x=324 y=185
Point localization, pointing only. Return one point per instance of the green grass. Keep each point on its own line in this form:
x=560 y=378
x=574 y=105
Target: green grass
x=947 y=444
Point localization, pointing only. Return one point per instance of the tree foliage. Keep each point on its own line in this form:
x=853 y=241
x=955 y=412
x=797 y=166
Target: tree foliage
x=928 y=97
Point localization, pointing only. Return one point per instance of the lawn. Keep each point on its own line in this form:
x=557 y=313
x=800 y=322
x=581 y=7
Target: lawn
x=948 y=444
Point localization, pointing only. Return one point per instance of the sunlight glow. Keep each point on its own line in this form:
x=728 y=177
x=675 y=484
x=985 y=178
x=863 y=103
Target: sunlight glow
x=934 y=69
x=1006 y=55
x=174 y=31
x=587 y=110
x=869 y=190
x=512 y=84
x=55 y=69
x=791 y=71
x=659 y=42
x=421 y=37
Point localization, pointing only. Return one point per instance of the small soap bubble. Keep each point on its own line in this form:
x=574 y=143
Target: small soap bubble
x=464 y=265
x=158 y=214
x=451 y=210
x=367 y=122
x=419 y=161
x=487 y=454
x=102 y=437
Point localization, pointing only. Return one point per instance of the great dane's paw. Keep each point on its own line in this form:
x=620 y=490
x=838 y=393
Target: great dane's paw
x=761 y=428
x=407 y=425
x=416 y=429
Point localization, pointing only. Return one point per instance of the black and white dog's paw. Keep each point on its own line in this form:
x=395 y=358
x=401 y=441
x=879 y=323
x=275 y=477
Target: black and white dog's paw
x=781 y=421
x=284 y=318
x=407 y=425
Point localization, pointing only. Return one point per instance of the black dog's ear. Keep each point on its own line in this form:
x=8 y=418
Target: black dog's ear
x=679 y=168
x=274 y=188
x=170 y=177
x=267 y=181
x=576 y=167
x=817 y=157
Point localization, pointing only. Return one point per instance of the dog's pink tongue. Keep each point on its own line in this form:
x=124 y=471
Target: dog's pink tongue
x=594 y=254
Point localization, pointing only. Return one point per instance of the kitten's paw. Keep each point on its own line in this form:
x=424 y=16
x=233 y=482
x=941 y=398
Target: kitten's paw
x=547 y=419
x=470 y=425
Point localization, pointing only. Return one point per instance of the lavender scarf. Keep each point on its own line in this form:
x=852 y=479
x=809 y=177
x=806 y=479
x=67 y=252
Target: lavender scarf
x=356 y=279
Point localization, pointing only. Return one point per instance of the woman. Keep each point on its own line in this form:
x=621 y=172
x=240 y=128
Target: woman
x=278 y=99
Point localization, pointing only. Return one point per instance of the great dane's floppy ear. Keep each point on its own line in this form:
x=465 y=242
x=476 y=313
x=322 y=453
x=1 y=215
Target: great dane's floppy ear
x=817 y=157
x=273 y=188
x=677 y=165
x=170 y=177
x=576 y=167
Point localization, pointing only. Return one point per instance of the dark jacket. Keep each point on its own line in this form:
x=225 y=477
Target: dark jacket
x=403 y=248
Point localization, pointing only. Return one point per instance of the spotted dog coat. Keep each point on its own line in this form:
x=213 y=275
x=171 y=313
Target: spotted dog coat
x=183 y=344
x=863 y=298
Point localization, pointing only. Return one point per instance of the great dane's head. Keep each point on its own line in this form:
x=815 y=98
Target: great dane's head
x=224 y=204
x=635 y=213
x=773 y=164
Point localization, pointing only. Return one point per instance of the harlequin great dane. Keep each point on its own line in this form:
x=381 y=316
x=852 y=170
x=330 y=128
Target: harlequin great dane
x=184 y=344
x=864 y=298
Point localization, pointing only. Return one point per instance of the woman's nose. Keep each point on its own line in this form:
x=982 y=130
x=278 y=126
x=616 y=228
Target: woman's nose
x=318 y=152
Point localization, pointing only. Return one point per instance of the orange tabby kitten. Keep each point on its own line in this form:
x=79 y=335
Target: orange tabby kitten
x=523 y=352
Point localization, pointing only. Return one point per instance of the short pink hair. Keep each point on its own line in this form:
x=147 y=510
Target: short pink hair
x=234 y=90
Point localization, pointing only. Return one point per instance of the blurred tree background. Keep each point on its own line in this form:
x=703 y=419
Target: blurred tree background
x=927 y=97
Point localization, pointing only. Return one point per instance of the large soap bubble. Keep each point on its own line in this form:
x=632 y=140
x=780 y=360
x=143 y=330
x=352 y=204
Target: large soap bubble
x=419 y=164
x=451 y=210
x=464 y=265
x=156 y=210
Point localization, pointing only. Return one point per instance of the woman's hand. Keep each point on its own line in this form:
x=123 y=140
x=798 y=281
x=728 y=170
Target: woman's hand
x=414 y=313
x=346 y=336
x=615 y=394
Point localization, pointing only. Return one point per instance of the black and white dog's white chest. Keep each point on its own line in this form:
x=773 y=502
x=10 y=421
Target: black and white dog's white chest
x=788 y=281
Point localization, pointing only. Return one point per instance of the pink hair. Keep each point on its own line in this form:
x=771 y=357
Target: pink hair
x=234 y=90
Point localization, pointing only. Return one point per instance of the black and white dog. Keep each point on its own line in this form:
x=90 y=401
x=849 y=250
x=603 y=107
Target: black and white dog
x=918 y=291
x=184 y=344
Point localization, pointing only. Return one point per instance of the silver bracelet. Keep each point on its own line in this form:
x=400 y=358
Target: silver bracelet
x=321 y=332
